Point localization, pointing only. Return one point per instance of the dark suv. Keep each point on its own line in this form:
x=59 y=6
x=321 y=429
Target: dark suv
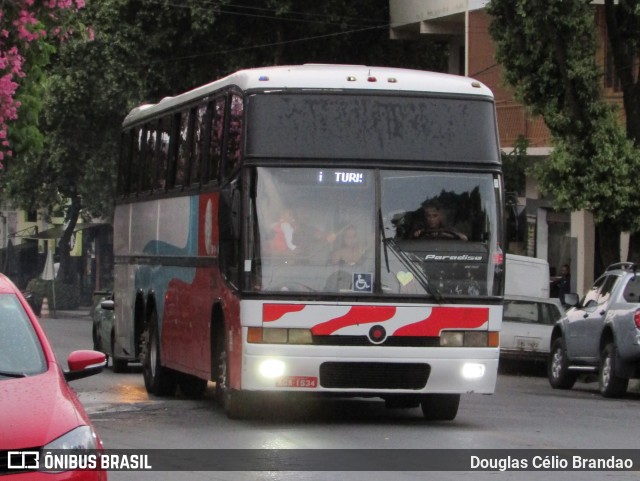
x=600 y=334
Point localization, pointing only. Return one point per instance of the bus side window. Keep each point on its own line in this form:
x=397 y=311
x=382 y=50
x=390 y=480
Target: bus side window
x=199 y=143
x=229 y=216
x=124 y=179
x=162 y=153
x=137 y=158
x=217 y=135
x=234 y=135
x=184 y=150
x=147 y=170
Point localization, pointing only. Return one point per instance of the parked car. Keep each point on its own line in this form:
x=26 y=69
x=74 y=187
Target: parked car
x=527 y=323
x=600 y=334
x=38 y=409
x=103 y=328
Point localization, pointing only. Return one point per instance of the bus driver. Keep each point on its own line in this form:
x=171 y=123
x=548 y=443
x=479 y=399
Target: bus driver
x=433 y=224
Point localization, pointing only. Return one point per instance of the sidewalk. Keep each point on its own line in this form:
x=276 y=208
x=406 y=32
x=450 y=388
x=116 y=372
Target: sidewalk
x=79 y=313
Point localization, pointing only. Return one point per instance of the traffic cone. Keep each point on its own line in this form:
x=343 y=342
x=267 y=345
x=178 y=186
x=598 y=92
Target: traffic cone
x=44 y=310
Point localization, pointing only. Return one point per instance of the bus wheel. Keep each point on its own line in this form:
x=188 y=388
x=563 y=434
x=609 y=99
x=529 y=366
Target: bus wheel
x=158 y=380
x=230 y=400
x=440 y=407
x=191 y=386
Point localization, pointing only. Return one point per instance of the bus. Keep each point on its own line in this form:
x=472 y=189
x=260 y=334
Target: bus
x=273 y=234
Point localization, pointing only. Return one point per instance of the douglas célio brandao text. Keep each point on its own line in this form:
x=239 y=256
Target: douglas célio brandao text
x=551 y=463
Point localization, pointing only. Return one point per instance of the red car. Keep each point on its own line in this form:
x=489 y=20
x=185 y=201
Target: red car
x=38 y=409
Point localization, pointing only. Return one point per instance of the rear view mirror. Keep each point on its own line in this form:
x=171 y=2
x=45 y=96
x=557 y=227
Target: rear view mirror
x=84 y=363
x=107 y=305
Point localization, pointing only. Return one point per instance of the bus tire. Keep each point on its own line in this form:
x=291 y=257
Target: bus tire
x=158 y=379
x=235 y=404
x=440 y=407
x=232 y=401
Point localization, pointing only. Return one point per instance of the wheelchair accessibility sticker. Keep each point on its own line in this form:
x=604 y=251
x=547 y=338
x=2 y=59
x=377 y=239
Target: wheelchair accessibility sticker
x=362 y=282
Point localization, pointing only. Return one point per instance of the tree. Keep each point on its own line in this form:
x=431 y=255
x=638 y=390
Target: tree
x=27 y=29
x=144 y=50
x=623 y=30
x=593 y=159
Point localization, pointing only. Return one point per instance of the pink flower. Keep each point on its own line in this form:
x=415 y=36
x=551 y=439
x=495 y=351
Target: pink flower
x=20 y=22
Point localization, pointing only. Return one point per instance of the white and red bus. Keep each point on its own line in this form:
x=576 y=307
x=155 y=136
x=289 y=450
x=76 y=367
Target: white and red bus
x=272 y=234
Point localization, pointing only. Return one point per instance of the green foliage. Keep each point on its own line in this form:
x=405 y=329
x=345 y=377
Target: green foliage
x=24 y=134
x=514 y=167
x=552 y=66
x=67 y=296
x=596 y=174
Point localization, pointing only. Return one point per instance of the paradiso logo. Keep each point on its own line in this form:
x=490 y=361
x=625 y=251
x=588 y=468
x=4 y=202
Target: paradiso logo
x=461 y=257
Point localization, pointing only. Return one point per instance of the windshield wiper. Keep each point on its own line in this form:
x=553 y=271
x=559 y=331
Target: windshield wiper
x=418 y=272
x=12 y=374
x=384 y=239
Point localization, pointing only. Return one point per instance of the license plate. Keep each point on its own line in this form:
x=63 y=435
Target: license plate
x=527 y=343
x=297 y=381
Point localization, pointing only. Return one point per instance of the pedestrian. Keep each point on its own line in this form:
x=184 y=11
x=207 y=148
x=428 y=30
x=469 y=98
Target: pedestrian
x=563 y=283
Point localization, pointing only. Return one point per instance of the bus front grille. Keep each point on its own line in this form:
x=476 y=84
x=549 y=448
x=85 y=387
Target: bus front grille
x=374 y=375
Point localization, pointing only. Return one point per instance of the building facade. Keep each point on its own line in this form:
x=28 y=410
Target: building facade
x=26 y=237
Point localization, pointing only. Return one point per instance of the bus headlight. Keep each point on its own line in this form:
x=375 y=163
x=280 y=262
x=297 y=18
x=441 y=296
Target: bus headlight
x=272 y=368
x=277 y=335
x=472 y=370
x=452 y=339
x=469 y=339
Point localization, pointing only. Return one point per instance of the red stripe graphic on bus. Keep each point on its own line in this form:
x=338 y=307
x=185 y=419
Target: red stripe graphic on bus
x=273 y=312
x=399 y=321
x=446 y=317
x=356 y=315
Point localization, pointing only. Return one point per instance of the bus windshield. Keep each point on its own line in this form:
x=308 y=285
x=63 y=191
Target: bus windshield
x=321 y=230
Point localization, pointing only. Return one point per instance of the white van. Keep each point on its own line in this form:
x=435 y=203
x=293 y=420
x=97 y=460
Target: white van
x=526 y=276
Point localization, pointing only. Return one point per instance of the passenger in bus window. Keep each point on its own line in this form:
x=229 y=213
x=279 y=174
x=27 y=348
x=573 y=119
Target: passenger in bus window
x=351 y=251
x=282 y=234
x=432 y=224
x=293 y=235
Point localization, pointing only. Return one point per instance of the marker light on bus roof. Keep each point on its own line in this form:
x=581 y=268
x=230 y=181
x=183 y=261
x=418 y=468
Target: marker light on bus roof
x=392 y=80
x=476 y=84
x=372 y=79
x=351 y=78
x=263 y=78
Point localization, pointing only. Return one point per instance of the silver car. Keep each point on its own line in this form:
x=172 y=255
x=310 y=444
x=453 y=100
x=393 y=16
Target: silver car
x=527 y=323
x=601 y=334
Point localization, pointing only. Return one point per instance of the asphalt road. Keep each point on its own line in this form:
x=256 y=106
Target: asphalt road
x=524 y=413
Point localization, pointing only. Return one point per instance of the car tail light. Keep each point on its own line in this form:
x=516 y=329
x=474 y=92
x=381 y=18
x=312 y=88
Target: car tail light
x=636 y=318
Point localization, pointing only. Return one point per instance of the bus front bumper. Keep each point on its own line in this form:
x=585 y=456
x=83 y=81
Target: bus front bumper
x=369 y=370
